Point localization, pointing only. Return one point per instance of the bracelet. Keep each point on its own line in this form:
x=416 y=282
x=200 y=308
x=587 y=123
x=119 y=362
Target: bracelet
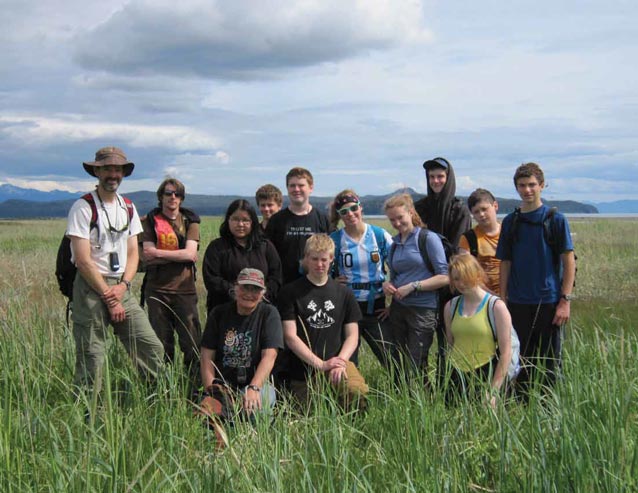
x=253 y=387
x=416 y=285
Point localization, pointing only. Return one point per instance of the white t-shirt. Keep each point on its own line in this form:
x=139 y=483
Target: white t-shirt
x=103 y=240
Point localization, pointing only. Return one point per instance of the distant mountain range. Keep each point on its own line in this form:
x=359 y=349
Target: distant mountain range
x=16 y=202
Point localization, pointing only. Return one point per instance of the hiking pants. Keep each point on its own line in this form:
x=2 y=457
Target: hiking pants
x=540 y=343
x=376 y=333
x=412 y=329
x=174 y=312
x=351 y=391
x=90 y=322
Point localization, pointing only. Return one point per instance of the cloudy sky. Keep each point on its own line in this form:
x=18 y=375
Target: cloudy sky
x=228 y=95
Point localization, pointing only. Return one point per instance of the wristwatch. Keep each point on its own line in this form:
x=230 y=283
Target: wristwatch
x=128 y=284
x=253 y=387
x=567 y=297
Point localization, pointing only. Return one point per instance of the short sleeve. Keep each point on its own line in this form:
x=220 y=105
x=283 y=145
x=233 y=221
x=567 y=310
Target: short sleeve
x=272 y=334
x=464 y=244
x=285 y=305
x=209 y=338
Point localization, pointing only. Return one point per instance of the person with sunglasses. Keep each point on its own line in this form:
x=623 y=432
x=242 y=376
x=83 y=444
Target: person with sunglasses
x=170 y=244
x=361 y=250
x=241 y=244
x=104 y=250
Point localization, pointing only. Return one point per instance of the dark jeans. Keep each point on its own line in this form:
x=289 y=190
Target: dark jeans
x=469 y=385
x=376 y=333
x=412 y=330
x=170 y=313
x=540 y=343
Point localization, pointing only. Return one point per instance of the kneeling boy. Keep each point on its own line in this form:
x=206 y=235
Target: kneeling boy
x=320 y=321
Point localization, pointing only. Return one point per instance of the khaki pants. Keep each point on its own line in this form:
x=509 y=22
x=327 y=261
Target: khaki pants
x=90 y=321
x=351 y=391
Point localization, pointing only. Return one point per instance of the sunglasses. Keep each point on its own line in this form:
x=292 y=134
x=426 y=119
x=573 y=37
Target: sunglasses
x=353 y=208
x=171 y=193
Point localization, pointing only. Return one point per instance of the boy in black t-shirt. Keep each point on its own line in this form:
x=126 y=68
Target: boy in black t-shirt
x=320 y=322
x=289 y=228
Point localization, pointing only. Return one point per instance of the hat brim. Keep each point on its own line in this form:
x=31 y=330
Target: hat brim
x=90 y=167
x=252 y=283
x=434 y=163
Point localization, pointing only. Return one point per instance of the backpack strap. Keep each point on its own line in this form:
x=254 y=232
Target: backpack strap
x=472 y=241
x=454 y=306
x=129 y=208
x=393 y=248
x=552 y=236
x=88 y=197
x=423 y=249
x=379 y=235
x=336 y=239
x=490 y=314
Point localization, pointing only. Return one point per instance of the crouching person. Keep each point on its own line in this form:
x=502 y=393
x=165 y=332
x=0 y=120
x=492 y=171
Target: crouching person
x=238 y=351
x=320 y=322
x=479 y=333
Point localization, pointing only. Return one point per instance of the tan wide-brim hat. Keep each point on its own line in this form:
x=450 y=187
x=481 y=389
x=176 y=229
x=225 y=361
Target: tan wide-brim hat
x=109 y=156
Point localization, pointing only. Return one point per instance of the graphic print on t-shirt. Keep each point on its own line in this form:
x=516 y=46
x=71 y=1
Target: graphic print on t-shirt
x=236 y=349
x=299 y=231
x=320 y=318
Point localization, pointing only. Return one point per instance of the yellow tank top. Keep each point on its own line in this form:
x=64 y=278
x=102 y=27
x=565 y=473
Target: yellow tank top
x=474 y=344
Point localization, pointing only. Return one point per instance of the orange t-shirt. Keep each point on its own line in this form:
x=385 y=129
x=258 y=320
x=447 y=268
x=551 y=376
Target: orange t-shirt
x=486 y=257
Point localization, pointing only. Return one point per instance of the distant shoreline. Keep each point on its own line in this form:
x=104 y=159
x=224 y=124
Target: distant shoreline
x=570 y=215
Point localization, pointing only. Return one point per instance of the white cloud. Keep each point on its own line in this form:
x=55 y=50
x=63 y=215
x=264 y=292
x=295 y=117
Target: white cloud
x=243 y=39
x=42 y=131
x=222 y=157
x=50 y=185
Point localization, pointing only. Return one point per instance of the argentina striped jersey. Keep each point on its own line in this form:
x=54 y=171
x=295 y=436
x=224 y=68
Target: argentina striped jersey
x=362 y=261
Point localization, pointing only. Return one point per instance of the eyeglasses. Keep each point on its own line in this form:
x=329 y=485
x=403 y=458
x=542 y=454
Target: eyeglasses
x=353 y=208
x=239 y=220
x=170 y=193
x=251 y=288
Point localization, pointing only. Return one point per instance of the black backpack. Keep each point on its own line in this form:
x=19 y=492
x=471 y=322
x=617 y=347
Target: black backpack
x=65 y=270
x=551 y=234
x=472 y=241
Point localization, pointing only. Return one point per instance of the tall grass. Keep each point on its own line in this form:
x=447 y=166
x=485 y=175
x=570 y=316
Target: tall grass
x=581 y=437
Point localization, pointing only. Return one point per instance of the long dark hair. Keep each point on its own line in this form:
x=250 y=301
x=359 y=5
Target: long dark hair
x=256 y=235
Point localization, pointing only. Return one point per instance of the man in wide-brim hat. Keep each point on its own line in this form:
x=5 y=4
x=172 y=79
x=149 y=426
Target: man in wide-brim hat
x=109 y=156
x=102 y=227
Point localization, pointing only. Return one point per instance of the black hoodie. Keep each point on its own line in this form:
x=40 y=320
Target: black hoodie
x=443 y=212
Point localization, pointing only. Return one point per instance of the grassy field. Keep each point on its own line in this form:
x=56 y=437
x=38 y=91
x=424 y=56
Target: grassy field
x=582 y=437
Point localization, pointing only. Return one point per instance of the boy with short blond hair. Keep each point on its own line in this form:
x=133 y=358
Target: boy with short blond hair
x=482 y=240
x=320 y=322
x=289 y=228
x=269 y=200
